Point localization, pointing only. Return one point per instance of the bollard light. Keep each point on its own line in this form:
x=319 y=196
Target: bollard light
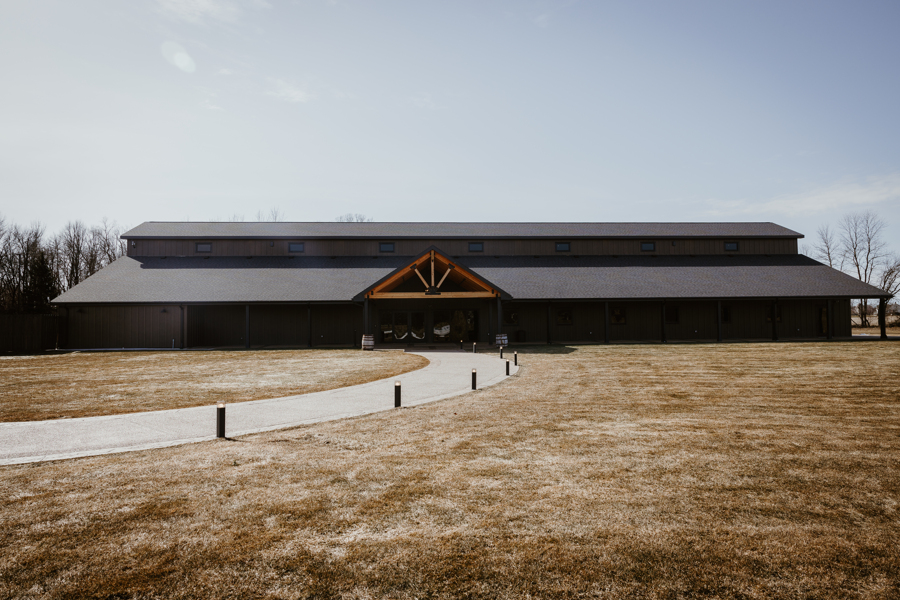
x=507 y=367
x=396 y=394
x=473 y=347
x=473 y=379
x=460 y=344
x=501 y=351
x=220 y=419
x=516 y=358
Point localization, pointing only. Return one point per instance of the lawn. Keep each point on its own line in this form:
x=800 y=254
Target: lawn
x=108 y=383
x=656 y=471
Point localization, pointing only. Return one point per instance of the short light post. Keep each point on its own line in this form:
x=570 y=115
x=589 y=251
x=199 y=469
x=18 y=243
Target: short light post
x=396 y=394
x=473 y=347
x=516 y=358
x=460 y=344
x=474 y=374
x=501 y=351
x=507 y=367
x=220 y=419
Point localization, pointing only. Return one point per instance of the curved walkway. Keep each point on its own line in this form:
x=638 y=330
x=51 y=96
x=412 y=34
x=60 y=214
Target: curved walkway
x=448 y=374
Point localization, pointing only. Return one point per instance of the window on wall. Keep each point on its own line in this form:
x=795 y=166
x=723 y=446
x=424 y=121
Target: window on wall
x=648 y=246
x=731 y=246
x=386 y=247
x=476 y=246
x=564 y=317
x=510 y=317
x=296 y=247
x=617 y=316
x=563 y=246
x=204 y=247
x=672 y=315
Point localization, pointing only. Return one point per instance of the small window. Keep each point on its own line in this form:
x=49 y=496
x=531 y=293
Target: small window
x=648 y=246
x=564 y=317
x=672 y=315
x=563 y=246
x=731 y=246
x=204 y=247
x=726 y=314
x=617 y=316
x=510 y=318
x=476 y=246
x=296 y=247
x=386 y=247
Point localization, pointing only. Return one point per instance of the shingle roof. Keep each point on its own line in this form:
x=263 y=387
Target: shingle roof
x=644 y=277
x=315 y=279
x=389 y=231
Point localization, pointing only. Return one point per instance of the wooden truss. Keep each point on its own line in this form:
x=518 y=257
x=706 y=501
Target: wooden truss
x=441 y=269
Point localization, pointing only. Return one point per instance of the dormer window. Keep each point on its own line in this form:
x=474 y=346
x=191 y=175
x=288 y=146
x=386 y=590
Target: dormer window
x=476 y=246
x=204 y=247
x=648 y=246
x=563 y=246
x=731 y=246
x=296 y=247
x=386 y=247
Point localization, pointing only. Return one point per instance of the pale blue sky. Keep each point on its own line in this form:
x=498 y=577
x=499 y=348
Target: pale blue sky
x=469 y=111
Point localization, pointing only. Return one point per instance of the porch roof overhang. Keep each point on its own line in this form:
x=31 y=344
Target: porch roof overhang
x=321 y=279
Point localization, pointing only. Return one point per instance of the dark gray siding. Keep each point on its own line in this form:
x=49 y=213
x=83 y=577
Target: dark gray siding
x=460 y=247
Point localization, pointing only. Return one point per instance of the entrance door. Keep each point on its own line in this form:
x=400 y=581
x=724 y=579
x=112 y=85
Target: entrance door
x=401 y=326
x=455 y=326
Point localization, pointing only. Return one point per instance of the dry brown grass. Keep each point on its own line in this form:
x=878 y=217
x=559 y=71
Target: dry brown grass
x=729 y=471
x=108 y=383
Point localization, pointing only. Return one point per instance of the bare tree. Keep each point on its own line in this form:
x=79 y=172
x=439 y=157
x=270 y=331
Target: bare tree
x=863 y=248
x=827 y=248
x=353 y=218
x=73 y=242
x=889 y=278
x=274 y=215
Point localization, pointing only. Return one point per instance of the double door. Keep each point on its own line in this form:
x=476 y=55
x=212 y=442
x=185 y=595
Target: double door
x=403 y=326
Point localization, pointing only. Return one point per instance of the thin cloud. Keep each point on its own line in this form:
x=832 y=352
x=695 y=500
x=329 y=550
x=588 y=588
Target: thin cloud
x=286 y=92
x=835 y=198
x=424 y=100
x=200 y=11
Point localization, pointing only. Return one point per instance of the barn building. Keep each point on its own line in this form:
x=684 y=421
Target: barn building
x=203 y=285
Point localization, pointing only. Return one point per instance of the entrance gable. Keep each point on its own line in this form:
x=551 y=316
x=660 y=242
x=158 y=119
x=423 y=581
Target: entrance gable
x=432 y=273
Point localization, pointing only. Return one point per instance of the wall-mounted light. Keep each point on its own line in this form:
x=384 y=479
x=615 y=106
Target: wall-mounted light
x=133 y=244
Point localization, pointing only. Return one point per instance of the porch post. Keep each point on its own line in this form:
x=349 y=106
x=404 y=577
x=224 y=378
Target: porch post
x=829 y=319
x=775 y=320
x=882 y=317
x=183 y=344
x=548 y=323
x=366 y=316
x=309 y=325
x=247 y=327
x=662 y=321
x=718 y=320
x=606 y=323
x=499 y=316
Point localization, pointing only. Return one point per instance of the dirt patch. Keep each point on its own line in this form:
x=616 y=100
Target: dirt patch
x=716 y=471
x=108 y=383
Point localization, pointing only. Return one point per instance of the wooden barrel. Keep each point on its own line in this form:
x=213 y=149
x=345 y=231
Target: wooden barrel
x=368 y=342
x=502 y=340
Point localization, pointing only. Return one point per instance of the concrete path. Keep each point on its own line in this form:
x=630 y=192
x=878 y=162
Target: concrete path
x=448 y=374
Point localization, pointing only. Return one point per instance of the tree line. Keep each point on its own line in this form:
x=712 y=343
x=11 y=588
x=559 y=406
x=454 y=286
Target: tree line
x=856 y=246
x=36 y=267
